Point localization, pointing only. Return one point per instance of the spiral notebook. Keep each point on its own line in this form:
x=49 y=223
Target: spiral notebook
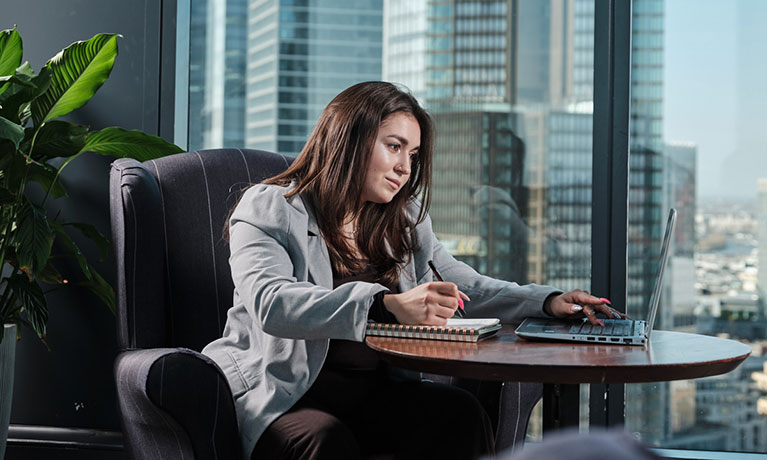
x=456 y=329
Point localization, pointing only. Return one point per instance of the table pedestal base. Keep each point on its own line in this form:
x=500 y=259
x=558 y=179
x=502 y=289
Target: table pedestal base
x=561 y=406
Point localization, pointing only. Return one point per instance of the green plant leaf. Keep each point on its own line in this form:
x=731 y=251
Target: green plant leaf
x=33 y=238
x=44 y=174
x=101 y=288
x=78 y=71
x=94 y=235
x=49 y=274
x=13 y=166
x=123 y=143
x=21 y=79
x=62 y=235
x=11 y=131
x=56 y=139
x=10 y=51
x=32 y=299
x=23 y=89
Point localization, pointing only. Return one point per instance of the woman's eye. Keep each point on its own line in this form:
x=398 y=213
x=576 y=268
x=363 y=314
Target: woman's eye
x=394 y=147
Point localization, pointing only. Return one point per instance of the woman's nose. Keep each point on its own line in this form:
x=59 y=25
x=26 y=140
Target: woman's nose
x=403 y=165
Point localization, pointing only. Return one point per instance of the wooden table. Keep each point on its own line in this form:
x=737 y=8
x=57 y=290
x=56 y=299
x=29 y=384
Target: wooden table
x=669 y=356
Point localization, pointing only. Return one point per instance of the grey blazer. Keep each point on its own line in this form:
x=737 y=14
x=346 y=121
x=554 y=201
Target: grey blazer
x=285 y=309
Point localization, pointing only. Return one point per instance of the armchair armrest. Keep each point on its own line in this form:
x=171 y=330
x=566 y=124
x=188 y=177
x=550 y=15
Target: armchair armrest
x=175 y=403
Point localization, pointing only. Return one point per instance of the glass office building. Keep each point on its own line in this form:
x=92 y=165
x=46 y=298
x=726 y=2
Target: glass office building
x=218 y=40
x=404 y=45
x=262 y=70
x=513 y=165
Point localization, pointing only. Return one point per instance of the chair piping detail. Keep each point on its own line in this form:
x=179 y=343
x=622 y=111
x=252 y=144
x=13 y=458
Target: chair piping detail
x=215 y=421
x=212 y=240
x=133 y=340
x=165 y=236
x=247 y=169
x=519 y=410
x=137 y=376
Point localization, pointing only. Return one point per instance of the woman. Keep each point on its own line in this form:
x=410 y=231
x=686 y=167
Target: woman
x=338 y=239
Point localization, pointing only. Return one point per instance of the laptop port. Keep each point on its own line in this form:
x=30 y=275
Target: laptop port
x=602 y=339
x=614 y=339
x=590 y=338
x=626 y=340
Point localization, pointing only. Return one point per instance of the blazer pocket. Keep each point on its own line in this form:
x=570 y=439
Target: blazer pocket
x=238 y=381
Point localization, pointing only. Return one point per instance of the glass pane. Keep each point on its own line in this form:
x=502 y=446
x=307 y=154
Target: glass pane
x=697 y=142
x=261 y=71
x=509 y=84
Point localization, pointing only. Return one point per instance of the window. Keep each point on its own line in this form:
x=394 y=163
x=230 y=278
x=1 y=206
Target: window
x=511 y=91
x=697 y=116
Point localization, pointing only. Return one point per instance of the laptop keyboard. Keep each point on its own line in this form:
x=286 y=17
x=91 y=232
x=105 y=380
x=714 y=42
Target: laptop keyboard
x=612 y=328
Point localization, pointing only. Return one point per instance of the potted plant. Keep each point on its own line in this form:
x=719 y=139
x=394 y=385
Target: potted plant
x=36 y=147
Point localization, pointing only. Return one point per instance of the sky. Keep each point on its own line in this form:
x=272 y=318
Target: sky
x=715 y=70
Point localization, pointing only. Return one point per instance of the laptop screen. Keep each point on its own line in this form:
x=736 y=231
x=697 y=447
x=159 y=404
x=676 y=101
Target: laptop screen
x=664 y=255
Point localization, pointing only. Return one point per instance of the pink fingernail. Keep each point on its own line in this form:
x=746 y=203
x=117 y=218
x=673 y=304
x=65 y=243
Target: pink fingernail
x=601 y=323
x=605 y=301
x=460 y=303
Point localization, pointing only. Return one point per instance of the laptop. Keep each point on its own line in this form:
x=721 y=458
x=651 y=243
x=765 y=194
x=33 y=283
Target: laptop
x=615 y=331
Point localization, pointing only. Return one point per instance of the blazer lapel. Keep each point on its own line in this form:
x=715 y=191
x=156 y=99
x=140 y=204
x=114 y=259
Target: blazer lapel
x=318 y=259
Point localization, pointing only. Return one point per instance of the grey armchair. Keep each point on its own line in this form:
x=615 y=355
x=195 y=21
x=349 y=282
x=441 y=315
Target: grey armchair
x=173 y=291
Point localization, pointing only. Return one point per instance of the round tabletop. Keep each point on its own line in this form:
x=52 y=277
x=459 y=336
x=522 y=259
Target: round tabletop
x=669 y=356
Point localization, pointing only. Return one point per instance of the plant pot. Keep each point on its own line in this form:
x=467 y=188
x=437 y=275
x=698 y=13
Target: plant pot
x=7 y=358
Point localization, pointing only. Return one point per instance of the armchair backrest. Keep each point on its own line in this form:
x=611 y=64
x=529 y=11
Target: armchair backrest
x=174 y=286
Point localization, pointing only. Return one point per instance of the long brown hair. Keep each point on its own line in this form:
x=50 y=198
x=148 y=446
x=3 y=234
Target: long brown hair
x=331 y=171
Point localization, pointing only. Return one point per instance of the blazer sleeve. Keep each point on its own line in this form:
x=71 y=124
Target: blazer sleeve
x=490 y=297
x=270 y=257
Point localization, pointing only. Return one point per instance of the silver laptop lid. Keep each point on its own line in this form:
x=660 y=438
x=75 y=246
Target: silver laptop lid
x=664 y=255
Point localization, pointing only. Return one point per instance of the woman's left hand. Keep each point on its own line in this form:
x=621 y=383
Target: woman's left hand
x=581 y=303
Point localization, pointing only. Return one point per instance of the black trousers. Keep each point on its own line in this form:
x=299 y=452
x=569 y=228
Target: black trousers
x=356 y=414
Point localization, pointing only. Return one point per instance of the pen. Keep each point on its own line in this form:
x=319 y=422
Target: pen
x=458 y=311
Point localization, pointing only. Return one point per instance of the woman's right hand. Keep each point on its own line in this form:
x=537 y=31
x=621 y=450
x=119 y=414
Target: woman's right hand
x=429 y=303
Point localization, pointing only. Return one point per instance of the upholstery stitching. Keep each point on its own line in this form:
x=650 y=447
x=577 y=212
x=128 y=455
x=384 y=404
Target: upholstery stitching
x=133 y=272
x=212 y=241
x=519 y=410
x=215 y=419
x=162 y=381
x=138 y=371
x=165 y=236
x=161 y=412
x=247 y=169
x=285 y=159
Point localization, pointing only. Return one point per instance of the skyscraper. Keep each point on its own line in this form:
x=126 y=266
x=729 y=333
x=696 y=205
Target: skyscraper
x=217 y=73
x=301 y=53
x=501 y=85
x=679 y=171
x=261 y=71
x=404 y=45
